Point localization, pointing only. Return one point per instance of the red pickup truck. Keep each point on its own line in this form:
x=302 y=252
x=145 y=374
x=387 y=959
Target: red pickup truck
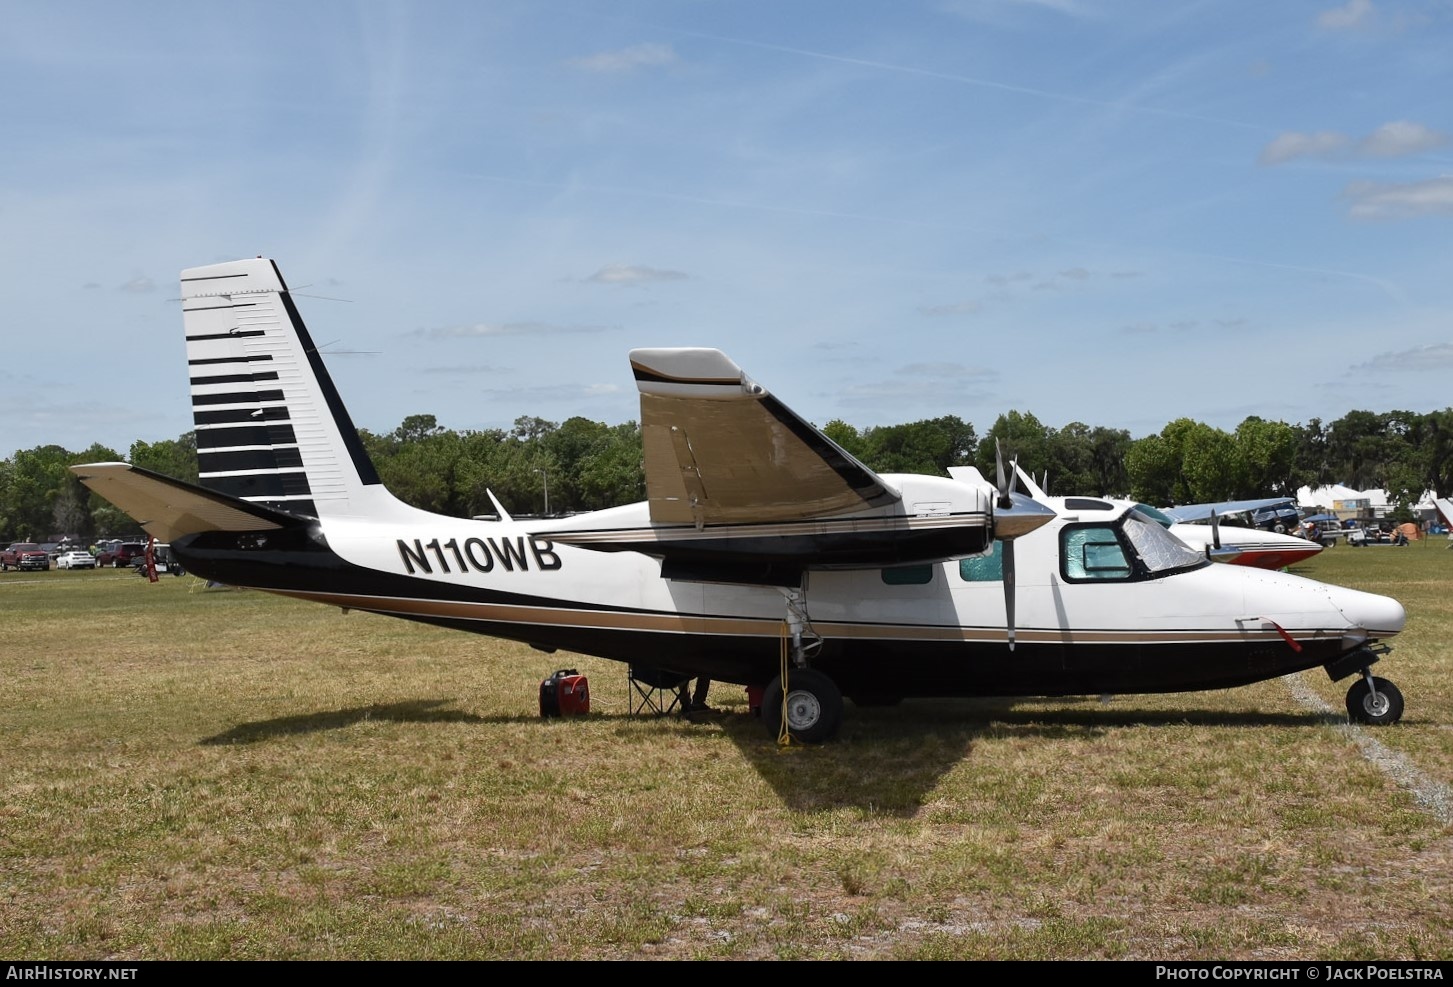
x=24 y=555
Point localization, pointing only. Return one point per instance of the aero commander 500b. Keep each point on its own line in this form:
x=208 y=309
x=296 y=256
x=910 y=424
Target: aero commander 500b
x=765 y=555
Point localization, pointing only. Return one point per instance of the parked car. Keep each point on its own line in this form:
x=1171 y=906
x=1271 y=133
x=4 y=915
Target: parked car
x=24 y=555
x=75 y=559
x=122 y=555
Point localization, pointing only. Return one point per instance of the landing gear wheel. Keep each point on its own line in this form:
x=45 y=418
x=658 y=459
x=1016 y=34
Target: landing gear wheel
x=814 y=706
x=1386 y=706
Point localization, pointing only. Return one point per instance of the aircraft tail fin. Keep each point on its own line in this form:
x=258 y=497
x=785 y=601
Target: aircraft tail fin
x=271 y=428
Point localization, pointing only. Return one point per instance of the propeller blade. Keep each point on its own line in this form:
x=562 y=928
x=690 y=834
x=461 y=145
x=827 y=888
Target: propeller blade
x=1009 y=590
x=999 y=481
x=1002 y=483
x=1215 y=531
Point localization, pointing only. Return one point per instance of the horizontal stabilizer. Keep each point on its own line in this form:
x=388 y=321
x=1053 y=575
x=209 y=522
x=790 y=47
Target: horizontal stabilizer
x=167 y=509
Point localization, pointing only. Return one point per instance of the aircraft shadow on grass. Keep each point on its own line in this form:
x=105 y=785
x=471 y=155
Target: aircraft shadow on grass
x=936 y=736
x=412 y=711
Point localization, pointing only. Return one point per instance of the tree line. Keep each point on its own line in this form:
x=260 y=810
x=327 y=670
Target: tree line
x=540 y=466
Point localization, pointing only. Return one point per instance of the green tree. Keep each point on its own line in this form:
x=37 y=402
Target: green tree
x=1188 y=462
x=176 y=458
x=613 y=473
x=1266 y=453
x=930 y=445
x=1357 y=449
x=1433 y=444
x=1022 y=438
x=33 y=487
x=847 y=437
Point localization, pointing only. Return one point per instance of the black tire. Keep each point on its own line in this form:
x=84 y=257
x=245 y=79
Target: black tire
x=814 y=706
x=1362 y=709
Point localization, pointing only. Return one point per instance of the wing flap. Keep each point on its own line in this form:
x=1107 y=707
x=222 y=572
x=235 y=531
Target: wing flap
x=720 y=449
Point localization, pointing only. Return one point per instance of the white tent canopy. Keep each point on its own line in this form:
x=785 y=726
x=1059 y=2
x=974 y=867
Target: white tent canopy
x=1324 y=498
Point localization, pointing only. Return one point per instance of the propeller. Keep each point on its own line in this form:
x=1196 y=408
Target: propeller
x=1215 y=530
x=1005 y=486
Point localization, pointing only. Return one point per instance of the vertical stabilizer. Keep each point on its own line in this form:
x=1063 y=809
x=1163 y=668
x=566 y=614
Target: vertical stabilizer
x=271 y=428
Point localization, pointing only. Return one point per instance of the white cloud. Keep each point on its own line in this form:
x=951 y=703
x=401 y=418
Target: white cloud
x=1003 y=280
x=993 y=10
x=482 y=368
x=1292 y=145
x=926 y=384
x=1352 y=14
x=1075 y=274
x=1399 y=138
x=646 y=55
x=1438 y=356
x=550 y=392
x=1376 y=200
x=138 y=285
x=506 y=329
x=633 y=274
x=954 y=308
x=953 y=371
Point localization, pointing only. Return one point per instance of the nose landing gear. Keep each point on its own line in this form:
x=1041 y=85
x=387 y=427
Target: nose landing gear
x=1374 y=701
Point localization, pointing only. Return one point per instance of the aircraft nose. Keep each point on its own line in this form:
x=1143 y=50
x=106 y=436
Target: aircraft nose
x=1380 y=616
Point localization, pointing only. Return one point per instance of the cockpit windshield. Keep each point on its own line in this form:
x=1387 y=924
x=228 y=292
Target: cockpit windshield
x=1161 y=551
x=1156 y=514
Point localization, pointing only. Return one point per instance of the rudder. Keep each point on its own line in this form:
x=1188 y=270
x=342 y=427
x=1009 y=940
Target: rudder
x=271 y=428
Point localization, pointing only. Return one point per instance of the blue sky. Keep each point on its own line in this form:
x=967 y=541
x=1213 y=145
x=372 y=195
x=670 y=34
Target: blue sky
x=1118 y=213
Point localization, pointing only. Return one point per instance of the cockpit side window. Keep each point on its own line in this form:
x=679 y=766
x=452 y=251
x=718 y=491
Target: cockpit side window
x=1093 y=553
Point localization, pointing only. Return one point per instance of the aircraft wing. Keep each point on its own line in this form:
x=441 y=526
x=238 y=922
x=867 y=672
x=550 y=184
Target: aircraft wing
x=1444 y=506
x=1202 y=512
x=741 y=489
x=167 y=509
x=720 y=449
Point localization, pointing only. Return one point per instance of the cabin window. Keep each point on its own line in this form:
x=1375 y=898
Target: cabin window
x=908 y=575
x=986 y=568
x=1091 y=553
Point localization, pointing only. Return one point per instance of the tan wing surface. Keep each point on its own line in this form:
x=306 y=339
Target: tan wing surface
x=167 y=509
x=720 y=449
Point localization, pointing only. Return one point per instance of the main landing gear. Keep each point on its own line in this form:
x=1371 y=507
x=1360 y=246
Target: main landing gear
x=809 y=709
x=807 y=706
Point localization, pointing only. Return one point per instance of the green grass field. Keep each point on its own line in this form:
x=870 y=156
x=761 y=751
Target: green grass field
x=217 y=774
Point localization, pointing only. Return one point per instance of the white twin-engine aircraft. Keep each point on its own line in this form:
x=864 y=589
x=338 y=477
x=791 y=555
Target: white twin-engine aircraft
x=765 y=555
